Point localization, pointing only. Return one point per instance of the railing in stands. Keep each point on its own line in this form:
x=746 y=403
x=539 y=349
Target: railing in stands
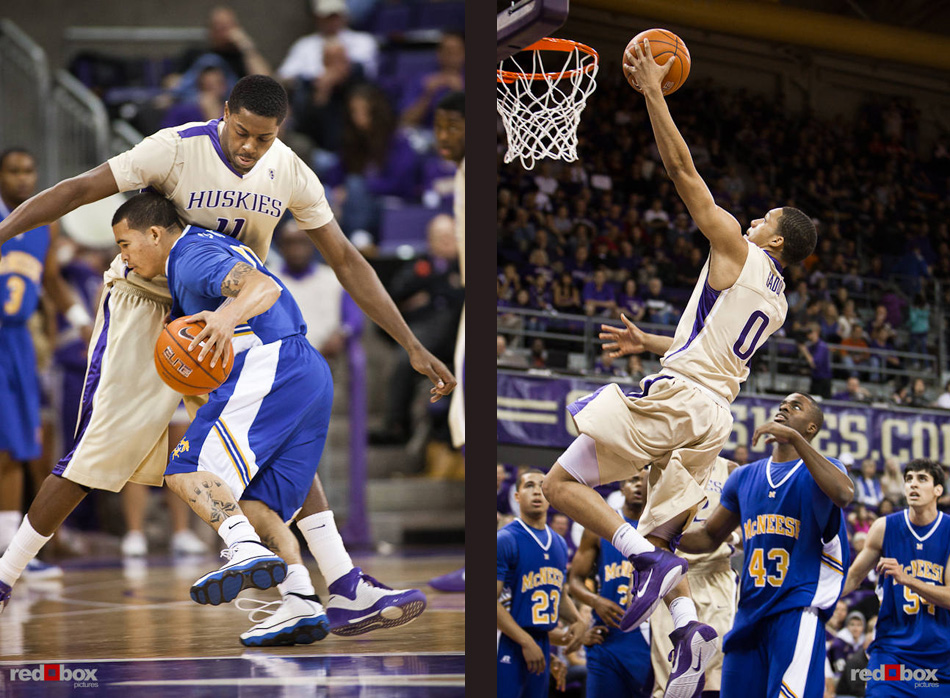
x=572 y=342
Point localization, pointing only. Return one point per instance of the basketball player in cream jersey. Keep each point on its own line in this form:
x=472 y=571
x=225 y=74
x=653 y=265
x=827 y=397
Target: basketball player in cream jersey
x=680 y=419
x=234 y=176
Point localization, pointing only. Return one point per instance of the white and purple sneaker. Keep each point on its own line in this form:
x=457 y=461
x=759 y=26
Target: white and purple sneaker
x=5 y=591
x=250 y=565
x=695 y=645
x=358 y=604
x=654 y=575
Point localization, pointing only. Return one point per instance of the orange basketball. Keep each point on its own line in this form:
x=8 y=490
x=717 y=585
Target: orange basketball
x=665 y=46
x=180 y=368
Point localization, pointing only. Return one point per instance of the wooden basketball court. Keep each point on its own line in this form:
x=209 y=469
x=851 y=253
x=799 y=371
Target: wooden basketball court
x=128 y=627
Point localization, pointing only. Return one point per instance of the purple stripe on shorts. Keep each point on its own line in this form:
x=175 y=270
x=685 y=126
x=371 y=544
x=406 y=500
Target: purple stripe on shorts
x=210 y=130
x=706 y=302
x=89 y=391
x=583 y=402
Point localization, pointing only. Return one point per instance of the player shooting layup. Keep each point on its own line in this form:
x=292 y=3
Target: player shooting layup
x=681 y=419
x=234 y=176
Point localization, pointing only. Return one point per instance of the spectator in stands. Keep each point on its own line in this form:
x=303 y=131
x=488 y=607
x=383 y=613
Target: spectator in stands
x=506 y=357
x=567 y=298
x=851 y=357
x=818 y=356
x=635 y=369
x=880 y=320
x=607 y=365
x=741 y=454
x=539 y=354
x=854 y=391
x=320 y=105
x=943 y=401
x=836 y=621
x=849 y=640
x=424 y=92
x=829 y=323
x=918 y=324
x=848 y=316
x=229 y=48
x=658 y=309
x=205 y=105
x=892 y=482
x=598 y=295
x=304 y=60
x=850 y=684
x=867 y=485
x=429 y=294
x=918 y=394
x=377 y=160
x=629 y=302
x=881 y=342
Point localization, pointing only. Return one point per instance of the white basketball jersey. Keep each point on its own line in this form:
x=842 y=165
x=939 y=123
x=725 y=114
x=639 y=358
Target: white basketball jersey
x=187 y=164
x=721 y=330
x=459 y=211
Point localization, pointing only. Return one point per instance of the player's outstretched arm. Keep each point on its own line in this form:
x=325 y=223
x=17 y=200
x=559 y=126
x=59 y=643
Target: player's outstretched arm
x=533 y=655
x=361 y=282
x=710 y=534
x=53 y=203
x=867 y=558
x=833 y=481
x=581 y=568
x=717 y=224
x=620 y=341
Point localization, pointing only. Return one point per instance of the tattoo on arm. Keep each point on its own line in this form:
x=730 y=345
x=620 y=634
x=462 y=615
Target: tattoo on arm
x=235 y=279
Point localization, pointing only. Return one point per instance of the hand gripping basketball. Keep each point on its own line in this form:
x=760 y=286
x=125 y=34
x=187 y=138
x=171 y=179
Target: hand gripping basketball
x=184 y=369
x=656 y=57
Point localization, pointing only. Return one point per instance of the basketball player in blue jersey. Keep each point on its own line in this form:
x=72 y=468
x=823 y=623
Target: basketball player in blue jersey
x=235 y=176
x=531 y=566
x=618 y=663
x=27 y=270
x=789 y=507
x=680 y=418
x=911 y=550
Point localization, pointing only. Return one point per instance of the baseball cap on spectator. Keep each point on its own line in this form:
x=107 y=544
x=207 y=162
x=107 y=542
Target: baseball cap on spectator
x=855 y=614
x=325 y=8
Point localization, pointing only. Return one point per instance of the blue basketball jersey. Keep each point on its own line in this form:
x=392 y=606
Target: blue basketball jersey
x=21 y=272
x=795 y=543
x=197 y=265
x=907 y=624
x=532 y=564
x=614 y=572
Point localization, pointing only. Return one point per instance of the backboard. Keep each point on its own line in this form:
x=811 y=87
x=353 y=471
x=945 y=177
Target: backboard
x=522 y=22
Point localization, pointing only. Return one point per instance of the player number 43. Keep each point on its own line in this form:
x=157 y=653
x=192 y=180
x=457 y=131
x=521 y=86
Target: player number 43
x=544 y=606
x=757 y=566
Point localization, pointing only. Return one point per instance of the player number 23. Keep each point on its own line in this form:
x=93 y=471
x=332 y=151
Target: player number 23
x=757 y=566
x=544 y=606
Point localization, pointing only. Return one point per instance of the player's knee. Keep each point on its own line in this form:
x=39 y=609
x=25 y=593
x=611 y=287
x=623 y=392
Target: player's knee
x=553 y=484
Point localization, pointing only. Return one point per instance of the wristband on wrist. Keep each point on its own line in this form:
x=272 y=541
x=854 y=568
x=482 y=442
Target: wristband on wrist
x=77 y=316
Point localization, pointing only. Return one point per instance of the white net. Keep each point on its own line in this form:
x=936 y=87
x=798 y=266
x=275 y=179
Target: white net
x=541 y=108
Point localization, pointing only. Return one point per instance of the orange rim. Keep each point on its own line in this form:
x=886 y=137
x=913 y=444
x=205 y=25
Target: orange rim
x=551 y=44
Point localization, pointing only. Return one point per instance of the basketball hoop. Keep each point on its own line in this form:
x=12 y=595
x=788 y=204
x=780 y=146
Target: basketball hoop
x=541 y=108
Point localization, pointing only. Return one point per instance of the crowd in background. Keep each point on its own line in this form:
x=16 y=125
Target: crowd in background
x=608 y=234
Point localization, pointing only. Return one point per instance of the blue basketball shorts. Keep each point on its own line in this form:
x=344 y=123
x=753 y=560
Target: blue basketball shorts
x=514 y=679
x=263 y=431
x=20 y=433
x=785 y=657
x=897 y=677
x=620 y=666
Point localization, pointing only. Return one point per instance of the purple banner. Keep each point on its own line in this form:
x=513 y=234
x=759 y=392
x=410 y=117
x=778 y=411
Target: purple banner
x=532 y=411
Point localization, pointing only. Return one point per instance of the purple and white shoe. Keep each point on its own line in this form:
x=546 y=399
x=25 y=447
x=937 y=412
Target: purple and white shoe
x=453 y=581
x=655 y=574
x=695 y=645
x=358 y=604
x=5 y=591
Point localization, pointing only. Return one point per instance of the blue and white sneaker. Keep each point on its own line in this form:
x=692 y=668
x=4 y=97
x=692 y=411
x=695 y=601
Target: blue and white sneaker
x=5 y=591
x=654 y=574
x=38 y=570
x=297 y=620
x=358 y=603
x=695 y=645
x=250 y=564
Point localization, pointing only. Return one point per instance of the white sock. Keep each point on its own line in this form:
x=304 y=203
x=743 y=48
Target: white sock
x=683 y=611
x=23 y=548
x=629 y=542
x=326 y=545
x=297 y=581
x=9 y=522
x=236 y=529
